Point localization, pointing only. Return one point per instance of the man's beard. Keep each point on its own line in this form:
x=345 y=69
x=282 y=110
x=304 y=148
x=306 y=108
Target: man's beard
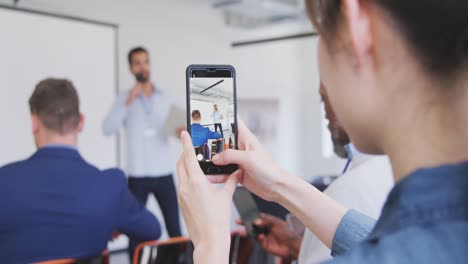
x=340 y=151
x=141 y=78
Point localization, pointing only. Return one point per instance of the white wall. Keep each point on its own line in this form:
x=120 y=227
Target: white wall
x=183 y=32
x=313 y=161
x=26 y=49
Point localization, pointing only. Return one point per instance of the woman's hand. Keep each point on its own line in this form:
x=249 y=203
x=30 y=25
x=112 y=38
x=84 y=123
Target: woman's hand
x=206 y=208
x=258 y=173
x=263 y=177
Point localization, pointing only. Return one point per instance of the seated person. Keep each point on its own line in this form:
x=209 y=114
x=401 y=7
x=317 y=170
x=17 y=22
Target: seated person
x=200 y=134
x=364 y=186
x=56 y=205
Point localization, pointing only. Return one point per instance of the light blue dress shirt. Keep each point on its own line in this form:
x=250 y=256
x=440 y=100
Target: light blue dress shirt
x=148 y=149
x=66 y=146
x=216 y=117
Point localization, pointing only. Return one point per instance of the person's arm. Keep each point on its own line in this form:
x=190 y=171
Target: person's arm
x=206 y=211
x=134 y=219
x=213 y=135
x=262 y=176
x=320 y=214
x=116 y=117
x=338 y=228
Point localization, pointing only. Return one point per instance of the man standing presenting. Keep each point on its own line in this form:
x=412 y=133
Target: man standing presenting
x=217 y=117
x=142 y=112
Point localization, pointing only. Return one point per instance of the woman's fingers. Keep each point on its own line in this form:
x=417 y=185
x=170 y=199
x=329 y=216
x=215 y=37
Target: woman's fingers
x=230 y=156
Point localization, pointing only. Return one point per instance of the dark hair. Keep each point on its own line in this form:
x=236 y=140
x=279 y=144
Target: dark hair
x=436 y=30
x=135 y=51
x=196 y=114
x=56 y=103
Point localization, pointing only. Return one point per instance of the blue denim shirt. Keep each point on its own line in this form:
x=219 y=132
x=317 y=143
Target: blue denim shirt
x=425 y=220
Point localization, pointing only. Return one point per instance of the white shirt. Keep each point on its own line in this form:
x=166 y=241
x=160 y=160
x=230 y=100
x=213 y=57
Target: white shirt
x=216 y=117
x=148 y=148
x=364 y=187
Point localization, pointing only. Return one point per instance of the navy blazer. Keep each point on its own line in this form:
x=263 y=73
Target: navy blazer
x=201 y=135
x=55 y=205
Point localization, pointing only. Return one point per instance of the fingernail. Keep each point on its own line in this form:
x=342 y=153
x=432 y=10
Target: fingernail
x=257 y=221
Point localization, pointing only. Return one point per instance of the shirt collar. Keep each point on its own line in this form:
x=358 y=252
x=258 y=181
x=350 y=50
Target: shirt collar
x=352 y=151
x=156 y=91
x=63 y=146
x=58 y=151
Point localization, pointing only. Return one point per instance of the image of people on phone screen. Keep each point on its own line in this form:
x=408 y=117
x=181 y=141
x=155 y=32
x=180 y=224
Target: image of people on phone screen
x=217 y=117
x=212 y=116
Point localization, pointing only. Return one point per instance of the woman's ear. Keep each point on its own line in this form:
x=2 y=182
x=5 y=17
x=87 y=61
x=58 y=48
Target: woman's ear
x=357 y=22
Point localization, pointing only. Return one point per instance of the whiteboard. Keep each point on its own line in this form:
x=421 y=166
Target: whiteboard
x=35 y=46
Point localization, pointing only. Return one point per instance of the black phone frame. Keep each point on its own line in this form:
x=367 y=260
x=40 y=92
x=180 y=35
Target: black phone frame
x=215 y=71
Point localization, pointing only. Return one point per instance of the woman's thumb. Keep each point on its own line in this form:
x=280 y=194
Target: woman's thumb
x=230 y=156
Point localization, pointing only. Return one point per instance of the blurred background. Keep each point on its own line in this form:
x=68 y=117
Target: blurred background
x=271 y=44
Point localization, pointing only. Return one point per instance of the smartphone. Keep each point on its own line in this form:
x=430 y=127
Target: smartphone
x=248 y=211
x=212 y=114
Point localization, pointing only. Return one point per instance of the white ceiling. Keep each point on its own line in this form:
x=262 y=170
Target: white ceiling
x=222 y=90
x=245 y=14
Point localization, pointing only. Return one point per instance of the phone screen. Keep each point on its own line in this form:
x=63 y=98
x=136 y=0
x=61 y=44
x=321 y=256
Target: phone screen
x=211 y=116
